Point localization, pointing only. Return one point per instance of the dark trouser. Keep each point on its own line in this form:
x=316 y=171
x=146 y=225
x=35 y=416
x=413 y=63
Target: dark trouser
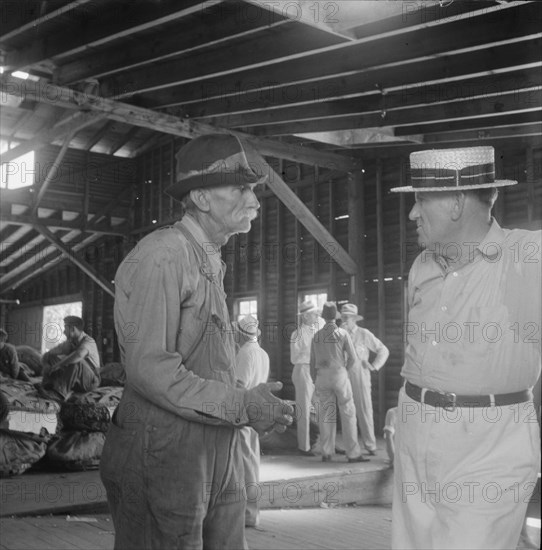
x=172 y=483
x=77 y=377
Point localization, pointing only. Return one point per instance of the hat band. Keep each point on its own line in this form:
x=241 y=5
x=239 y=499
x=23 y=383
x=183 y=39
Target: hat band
x=445 y=177
x=246 y=333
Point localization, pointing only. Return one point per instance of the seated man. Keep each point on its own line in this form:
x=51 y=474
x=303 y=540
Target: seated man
x=9 y=361
x=73 y=365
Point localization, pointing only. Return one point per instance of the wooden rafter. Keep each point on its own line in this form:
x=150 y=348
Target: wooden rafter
x=169 y=124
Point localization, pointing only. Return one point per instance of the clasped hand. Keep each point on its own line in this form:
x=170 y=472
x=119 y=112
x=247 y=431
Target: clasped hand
x=266 y=411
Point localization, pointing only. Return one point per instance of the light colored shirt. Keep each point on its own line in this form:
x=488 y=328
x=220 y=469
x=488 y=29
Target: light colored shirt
x=365 y=341
x=252 y=365
x=331 y=348
x=168 y=316
x=300 y=342
x=476 y=330
x=85 y=343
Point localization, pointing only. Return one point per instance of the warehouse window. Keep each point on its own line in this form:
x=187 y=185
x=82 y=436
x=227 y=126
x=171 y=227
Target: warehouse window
x=319 y=297
x=18 y=172
x=53 y=323
x=245 y=306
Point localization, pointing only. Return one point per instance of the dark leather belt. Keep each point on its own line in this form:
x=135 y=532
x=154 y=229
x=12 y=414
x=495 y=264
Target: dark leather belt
x=449 y=400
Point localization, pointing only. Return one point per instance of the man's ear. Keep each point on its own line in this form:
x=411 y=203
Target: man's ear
x=200 y=198
x=458 y=204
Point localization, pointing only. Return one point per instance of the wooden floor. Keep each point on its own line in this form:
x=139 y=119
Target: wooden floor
x=342 y=528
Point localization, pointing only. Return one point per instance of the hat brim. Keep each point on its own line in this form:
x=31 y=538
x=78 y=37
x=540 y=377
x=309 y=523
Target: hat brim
x=178 y=190
x=410 y=189
x=355 y=317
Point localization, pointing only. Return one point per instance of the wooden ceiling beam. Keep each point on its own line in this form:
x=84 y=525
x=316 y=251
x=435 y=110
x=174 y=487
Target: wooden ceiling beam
x=67 y=252
x=57 y=200
x=434 y=70
x=60 y=131
x=161 y=122
x=307 y=218
x=526 y=130
x=409 y=96
x=39 y=21
x=11 y=247
x=114 y=21
x=453 y=110
x=514 y=119
x=509 y=24
x=187 y=40
x=55 y=223
x=17 y=278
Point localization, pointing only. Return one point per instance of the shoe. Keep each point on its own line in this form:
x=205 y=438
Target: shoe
x=340 y=451
x=305 y=453
x=50 y=394
x=371 y=452
x=326 y=458
x=359 y=458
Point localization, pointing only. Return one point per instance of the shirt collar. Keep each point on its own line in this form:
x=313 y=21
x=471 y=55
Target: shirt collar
x=212 y=251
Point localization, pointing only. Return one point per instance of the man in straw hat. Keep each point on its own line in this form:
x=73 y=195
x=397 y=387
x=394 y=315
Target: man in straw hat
x=252 y=369
x=364 y=342
x=467 y=449
x=172 y=461
x=300 y=352
x=332 y=354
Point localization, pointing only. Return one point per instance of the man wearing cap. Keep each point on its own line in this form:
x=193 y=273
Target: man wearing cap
x=300 y=353
x=332 y=354
x=364 y=341
x=172 y=461
x=252 y=369
x=467 y=443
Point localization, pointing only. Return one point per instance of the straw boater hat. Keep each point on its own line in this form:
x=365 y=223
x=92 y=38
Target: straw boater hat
x=352 y=311
x=215 y=160
x=307 y=307
x=248 y=326
x=453 y=170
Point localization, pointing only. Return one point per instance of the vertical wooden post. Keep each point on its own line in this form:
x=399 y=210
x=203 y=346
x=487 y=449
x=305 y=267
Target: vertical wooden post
x=332 y=264
x=381 y=288
x=262 y=302
x=280 y=298
x=356 y=237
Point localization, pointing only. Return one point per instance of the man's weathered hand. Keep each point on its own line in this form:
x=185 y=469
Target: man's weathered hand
x=265 y=410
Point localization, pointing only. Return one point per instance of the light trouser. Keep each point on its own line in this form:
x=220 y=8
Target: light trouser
x=77 y=377
x=304 y=390
x=172 y=483
x=360 y=378
x=463 y=477
x=333 y=389
x=250 y=447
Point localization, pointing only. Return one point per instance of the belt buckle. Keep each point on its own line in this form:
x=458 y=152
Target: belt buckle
x=453 y=398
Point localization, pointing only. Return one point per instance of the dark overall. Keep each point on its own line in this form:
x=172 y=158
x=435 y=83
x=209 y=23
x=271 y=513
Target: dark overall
x=171 y=482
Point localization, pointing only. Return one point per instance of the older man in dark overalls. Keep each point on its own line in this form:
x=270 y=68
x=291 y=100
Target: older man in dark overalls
x=172 y=463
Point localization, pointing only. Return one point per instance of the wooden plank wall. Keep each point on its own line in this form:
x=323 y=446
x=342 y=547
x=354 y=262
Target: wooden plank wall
x=278 y=258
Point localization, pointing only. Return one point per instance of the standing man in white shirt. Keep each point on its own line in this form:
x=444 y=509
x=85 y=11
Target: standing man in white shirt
x=252 y=368
x=360 y=375
x=300 y=353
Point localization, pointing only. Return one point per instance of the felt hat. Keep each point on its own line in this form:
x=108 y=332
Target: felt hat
x=352 y=311
x=248 y=326
x=307 y=307
x=452 y=170
x=215 y=160
x=329 y=311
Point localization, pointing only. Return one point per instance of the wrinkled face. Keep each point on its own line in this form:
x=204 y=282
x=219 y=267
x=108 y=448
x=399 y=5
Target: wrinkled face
x=233 y=207
x=348 y=321
x=310 y=318
x=432 y=214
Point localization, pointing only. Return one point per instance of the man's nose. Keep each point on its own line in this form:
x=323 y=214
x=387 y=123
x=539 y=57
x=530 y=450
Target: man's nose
x=252 y=200
x=414 y=213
